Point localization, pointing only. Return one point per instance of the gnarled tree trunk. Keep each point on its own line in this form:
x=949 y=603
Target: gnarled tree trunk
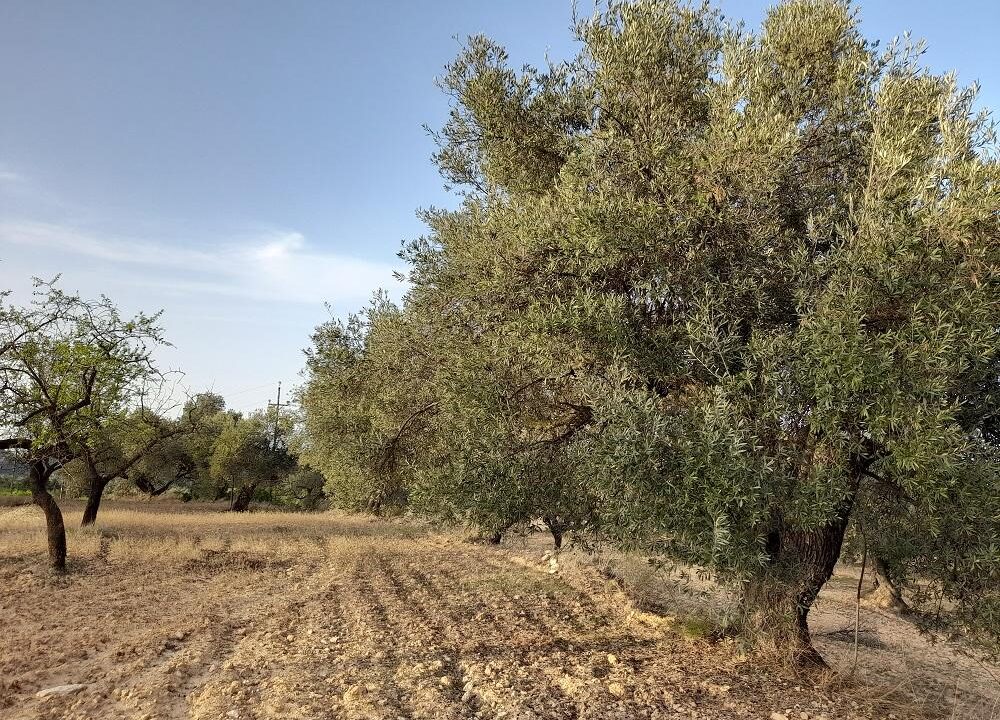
x=157 y=491
x=242 y=498
x=38 y=475
x=886 y=594
x=145 y=483
x=556 y=528
x=801 y=563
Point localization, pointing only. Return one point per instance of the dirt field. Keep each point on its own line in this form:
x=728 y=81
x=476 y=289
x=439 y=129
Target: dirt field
x=172 y=613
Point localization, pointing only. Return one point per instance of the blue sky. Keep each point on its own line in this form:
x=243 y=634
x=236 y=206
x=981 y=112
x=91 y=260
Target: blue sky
x=238 y=164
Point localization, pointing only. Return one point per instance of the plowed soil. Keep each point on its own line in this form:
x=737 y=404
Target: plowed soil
x=209 y=615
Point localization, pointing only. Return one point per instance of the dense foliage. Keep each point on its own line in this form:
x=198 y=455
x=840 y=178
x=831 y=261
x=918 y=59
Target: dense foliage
x=247 y=456
x=709 y=292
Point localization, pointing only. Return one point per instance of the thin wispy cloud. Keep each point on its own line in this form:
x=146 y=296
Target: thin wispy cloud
x=276 y=265
x=12 y=182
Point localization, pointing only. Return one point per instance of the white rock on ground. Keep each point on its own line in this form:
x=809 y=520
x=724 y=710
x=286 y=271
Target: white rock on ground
x=59 y=690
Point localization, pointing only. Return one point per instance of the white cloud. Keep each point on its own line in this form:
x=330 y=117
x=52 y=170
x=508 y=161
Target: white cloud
x=9 y=176
x=277 y=265
x=281 y=247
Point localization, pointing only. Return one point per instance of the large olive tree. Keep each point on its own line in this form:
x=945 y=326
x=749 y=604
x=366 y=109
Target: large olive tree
x=749 y=281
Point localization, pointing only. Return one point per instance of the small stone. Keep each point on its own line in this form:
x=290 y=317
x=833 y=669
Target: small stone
x=804 y=716
x=179 y=635
x=60 y=690
x=616 y=689
x=445 y=681
x=778 y=716
x=353 y=693
x=289 y=638
x=612 y=660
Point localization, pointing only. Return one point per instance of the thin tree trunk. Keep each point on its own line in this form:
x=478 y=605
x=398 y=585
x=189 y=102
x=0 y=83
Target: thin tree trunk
x=38 y=476
x=95 y=493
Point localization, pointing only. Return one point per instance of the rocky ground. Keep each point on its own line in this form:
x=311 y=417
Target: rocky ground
x=268 y=617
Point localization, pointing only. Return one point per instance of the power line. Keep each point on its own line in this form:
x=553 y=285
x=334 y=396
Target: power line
x=245 y=390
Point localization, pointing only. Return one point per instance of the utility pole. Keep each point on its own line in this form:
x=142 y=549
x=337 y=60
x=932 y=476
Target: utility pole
x=277 y=414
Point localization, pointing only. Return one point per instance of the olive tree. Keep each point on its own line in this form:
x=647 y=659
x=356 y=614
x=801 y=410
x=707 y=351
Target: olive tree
x=247 y=456
x=399 y=410
x=748 y=280
x=769 y=259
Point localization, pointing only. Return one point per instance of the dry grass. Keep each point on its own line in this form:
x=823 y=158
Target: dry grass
x=171 y=533
x=185 y=611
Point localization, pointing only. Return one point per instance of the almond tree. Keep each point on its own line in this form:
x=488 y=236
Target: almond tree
x=129 y=444
x=66 y=365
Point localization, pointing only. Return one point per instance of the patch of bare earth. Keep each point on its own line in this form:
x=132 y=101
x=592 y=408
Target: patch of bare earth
x=325 y=616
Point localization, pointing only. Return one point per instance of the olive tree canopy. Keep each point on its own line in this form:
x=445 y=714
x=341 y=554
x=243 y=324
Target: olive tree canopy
x=715 y=292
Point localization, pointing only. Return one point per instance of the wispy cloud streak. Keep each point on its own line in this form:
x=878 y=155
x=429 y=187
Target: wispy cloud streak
x=275 y=265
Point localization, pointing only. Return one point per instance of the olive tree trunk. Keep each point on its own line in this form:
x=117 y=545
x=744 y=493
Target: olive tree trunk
x=556 y=528
x=778 y=601
x=887 y=594
x=38 y=475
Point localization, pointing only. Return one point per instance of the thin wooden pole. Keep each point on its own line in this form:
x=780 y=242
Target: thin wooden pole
x=857 y=599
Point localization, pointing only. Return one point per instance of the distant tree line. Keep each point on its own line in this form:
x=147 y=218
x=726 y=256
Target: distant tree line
x=83 y=401
x=719 y=295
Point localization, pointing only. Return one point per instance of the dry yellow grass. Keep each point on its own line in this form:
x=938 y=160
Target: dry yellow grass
x=184 y=611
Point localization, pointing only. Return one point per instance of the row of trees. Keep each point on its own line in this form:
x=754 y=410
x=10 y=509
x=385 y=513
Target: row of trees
x=714 y=294
x=81 y=396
